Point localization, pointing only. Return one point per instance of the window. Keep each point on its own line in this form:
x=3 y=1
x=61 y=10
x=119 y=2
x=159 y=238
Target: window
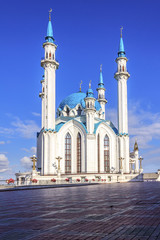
x=67 y=111
x=53 y=56
x=50 y=55
x=68 y=153
x=78 y=153
x=79 y=111
x=123 y=68
x=106 y=154
x=46 y=54
x=98 y=152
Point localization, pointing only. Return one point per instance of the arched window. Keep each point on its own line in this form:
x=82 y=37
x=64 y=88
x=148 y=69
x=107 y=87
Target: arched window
x=50 y=55
x=79 y=111
x=53 y=56
x=123 y=68
x=68 y=153
x=46 y=54
x=78 y=153
x=67 y=111
x=98 y=152
x=106 y=154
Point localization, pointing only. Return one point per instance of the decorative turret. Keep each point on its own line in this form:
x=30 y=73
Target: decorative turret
x=90 y=109
x=48 y=85
x=136 y=146
x=122 y=76
x=101 y=93
x=136 y=155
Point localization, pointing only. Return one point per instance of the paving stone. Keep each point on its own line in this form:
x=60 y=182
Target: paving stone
x=98 y=212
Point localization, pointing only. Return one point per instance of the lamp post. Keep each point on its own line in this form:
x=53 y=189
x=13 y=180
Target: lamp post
x=59 y=167
x=121 y=164
x=34 y=160
x=140 y=164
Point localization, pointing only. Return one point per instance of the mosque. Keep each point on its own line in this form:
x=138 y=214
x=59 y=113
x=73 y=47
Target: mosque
x=76 y=140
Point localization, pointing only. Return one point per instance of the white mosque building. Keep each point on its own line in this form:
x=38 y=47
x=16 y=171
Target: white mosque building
x=76 y=140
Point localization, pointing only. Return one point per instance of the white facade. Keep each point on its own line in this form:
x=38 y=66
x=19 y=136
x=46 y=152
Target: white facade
x=86 y=142
x=80 y=135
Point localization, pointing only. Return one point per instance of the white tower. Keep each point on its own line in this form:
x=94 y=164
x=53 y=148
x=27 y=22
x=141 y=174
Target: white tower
x=48 y=83
x=90 y=110
x=101 y=94
x=122 y=76
x=46 y=151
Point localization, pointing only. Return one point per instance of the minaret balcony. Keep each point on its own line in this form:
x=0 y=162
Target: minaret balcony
x=102 y=100
x=49 y=60
x=119 y=73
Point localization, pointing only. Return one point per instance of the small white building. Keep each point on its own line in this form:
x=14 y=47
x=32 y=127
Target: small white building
x=88 y=144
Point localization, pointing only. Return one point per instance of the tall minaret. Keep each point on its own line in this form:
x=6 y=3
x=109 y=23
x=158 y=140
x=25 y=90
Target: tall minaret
x=101 y=93
x=90 y=110
x=48 y=83
x=122 y=76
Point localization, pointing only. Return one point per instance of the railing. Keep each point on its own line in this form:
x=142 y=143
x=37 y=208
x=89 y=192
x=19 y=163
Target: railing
x=50 y=59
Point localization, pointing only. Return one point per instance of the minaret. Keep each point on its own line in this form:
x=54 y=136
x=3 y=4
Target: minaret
x=90 y=110
x=48 y=83
x=122 y=76
x=101 y=93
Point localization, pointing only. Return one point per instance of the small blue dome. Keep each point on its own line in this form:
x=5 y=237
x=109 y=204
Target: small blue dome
x=89 y=93
x=76 y=98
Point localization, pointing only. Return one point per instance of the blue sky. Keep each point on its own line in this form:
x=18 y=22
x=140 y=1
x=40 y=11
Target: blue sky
x=87 y=33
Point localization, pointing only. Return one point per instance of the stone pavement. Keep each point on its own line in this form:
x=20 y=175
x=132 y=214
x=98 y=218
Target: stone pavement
x=101 y=212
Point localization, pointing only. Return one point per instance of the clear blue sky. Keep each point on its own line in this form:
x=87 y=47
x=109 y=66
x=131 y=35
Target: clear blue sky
x=87 y=33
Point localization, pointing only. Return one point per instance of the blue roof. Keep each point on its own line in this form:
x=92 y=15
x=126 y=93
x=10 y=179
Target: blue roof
x=96 y=125
x=89 y=93
x=77 y=98
x=101 y=84
x=49 y=37
x=121 y=52
x=58 y=126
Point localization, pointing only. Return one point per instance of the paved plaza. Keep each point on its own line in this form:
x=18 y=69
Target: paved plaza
x=103 y=211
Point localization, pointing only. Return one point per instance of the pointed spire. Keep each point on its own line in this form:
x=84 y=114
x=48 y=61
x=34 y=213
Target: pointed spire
x=49 y=37
x=136 y=146
x=121 y=52
x=80 y=86
x=90 y=91
x=101 y=84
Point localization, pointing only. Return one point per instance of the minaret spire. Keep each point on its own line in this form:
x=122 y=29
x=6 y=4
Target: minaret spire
x=101 y=94
x=121 y=28
x=121 y=52
x=80 y=89
x=49 y=37
x=101 y=84
x=50 y=14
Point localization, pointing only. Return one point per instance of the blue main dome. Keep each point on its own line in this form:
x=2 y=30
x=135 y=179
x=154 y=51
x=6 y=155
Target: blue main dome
x=76 y=98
